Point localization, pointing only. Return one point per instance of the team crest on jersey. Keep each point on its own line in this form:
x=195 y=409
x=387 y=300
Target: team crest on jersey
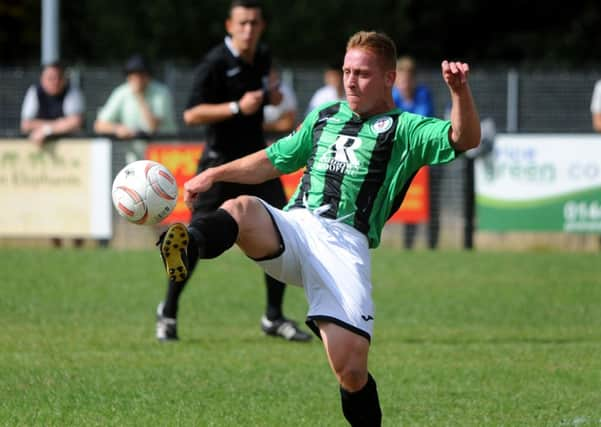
x=381 y=124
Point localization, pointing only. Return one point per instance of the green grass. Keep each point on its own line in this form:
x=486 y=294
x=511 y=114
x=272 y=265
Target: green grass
x=461 y=339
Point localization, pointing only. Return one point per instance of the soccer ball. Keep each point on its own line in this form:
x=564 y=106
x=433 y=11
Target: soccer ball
x=144 y=192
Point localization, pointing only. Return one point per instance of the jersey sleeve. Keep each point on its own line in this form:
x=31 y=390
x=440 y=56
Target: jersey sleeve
x=596 y=99
x=30 y=107
x=162 y=107
x=111 y=111
x=74 y=102
x=291 y=152
x=428 y=138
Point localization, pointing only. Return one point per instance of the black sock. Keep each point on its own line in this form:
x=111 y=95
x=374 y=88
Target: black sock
x=362 y=408
x=210 y=236
x=275 y=297
x=214 y=233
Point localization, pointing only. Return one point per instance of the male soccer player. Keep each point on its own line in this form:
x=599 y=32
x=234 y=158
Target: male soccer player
x=358 y=155
x=229 y=92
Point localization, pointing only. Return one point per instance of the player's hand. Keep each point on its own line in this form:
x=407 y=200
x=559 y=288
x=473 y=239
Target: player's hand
x=251 y=102
x=196 y=185
x=455 y=74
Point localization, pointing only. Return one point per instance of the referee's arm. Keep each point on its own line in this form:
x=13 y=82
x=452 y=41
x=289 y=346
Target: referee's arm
x=203 y=114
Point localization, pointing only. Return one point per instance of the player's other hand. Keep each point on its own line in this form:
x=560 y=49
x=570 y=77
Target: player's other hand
x=251 y=101
x=196 y=185
x=455 y=74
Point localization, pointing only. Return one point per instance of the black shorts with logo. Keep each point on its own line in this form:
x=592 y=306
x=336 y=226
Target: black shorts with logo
x=271 y=191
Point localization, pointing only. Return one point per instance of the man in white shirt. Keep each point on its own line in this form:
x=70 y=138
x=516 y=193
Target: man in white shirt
x=280 y=118
x=333 y=89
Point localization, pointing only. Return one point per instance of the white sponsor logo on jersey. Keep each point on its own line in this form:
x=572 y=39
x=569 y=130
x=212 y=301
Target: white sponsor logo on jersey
x=341 y=157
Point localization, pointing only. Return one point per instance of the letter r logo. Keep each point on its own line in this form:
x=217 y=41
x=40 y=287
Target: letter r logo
x=345 y=149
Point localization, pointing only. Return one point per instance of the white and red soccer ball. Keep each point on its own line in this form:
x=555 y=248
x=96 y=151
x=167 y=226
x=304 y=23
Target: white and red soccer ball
x=144 y=192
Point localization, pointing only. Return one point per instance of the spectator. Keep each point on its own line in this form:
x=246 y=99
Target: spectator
x=280 y=118
x=416 y=98
x=52 y=107
x=407 y=94
x=333 y=89
x=140 y=107
x=228 y=95
x=596 y=107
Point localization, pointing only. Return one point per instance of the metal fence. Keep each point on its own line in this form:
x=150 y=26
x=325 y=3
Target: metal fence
x=518 y=101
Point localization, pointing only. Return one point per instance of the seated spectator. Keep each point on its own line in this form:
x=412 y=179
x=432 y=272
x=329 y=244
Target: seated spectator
x=52 y=107
x=282 y=117
x=333 y=89
x=139 y=107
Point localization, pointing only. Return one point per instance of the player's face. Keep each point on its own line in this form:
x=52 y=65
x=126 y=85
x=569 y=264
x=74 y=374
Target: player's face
x=367 y=84
x=52 y=80
x=245 y=26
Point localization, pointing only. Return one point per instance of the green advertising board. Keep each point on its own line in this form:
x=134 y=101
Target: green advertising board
x=540 y=182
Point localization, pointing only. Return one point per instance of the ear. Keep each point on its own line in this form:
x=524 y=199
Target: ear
x=228 y=25
x=390 y=77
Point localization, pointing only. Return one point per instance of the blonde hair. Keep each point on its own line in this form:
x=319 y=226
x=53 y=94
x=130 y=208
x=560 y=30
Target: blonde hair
x=378 y=43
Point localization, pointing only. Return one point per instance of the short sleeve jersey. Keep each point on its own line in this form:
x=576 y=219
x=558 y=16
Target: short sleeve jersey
x=123 y=107
x=596 y=99
x=359 y=167
x=224 y=77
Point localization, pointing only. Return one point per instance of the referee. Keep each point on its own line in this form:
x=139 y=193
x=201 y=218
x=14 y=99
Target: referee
x=229 y=92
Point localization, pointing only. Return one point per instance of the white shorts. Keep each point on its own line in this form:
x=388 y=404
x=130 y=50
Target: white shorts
x=331 y=261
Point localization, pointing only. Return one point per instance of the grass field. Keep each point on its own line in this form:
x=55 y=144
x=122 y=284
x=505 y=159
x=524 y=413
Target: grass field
x=461 y=339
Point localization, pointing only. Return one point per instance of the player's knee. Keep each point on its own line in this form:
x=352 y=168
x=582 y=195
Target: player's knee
x=351 y=378
x=242 y=209
x=239 y=207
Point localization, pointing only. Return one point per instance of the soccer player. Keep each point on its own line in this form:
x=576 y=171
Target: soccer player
x=358 y=155
x=229 y=92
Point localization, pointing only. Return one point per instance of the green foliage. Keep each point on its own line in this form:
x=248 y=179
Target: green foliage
x=106 y=31
x=461 y=338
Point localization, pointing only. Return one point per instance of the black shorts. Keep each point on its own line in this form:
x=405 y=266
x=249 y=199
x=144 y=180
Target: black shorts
x=271 y=191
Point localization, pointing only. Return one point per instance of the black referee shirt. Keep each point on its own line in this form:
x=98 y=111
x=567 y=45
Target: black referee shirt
x=223 y=77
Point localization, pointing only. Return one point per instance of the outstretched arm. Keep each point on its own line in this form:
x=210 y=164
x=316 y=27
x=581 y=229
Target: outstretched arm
x=465 y=121
x=252 y=169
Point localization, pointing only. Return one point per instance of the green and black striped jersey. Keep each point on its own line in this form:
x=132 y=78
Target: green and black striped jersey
x=360 y=167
